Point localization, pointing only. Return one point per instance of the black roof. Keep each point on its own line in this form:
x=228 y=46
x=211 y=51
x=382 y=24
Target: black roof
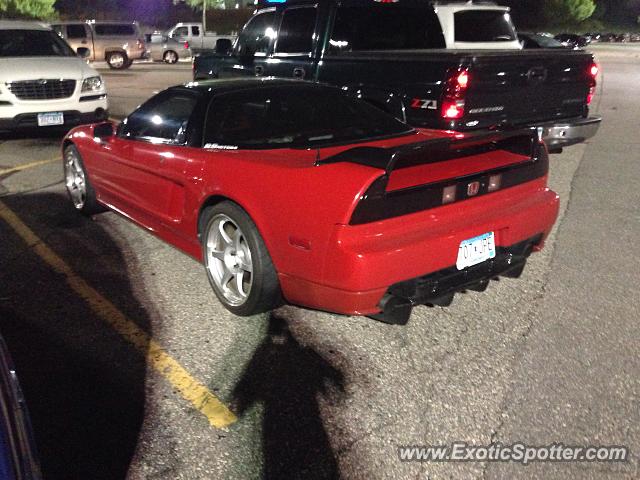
x=217 y=86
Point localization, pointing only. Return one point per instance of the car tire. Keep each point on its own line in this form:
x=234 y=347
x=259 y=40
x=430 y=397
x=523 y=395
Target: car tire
x=170 y=57
x=238 y=265
x=118 y=60
x=79 y=188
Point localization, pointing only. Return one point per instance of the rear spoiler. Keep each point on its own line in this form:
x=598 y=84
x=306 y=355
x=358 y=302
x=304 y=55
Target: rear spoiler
x=378 y=203
x=522 y=141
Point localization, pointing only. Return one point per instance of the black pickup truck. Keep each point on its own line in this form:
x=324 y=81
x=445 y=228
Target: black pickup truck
x=392 y=53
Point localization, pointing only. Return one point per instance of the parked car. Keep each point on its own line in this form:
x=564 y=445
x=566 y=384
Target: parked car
x=608 y=37
x=43 y=82
x=117 y=43
x=393 y=55
x=18 y=455
x=339 y=206
x=165 y=49
x=572 y=40
x=634 y=37
x=194 y=34
x=535 y=40
x=468 y=25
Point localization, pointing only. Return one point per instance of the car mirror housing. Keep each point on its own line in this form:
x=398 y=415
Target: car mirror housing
x=83 y=52
x=223 y=46
x=103 y=130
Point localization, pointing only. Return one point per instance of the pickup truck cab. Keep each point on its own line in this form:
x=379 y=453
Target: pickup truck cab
x=195 y=36
x=394 y=55
x=476 y=26
x=43 y=82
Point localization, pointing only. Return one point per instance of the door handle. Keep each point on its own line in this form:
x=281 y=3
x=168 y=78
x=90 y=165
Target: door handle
x=258 y=70
x=298 y=72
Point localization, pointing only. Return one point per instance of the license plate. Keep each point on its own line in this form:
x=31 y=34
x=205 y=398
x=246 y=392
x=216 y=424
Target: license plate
x=476 y=250
x=48 y=119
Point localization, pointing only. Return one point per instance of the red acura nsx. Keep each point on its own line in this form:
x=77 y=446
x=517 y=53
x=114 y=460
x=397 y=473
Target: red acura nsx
x=294 y=192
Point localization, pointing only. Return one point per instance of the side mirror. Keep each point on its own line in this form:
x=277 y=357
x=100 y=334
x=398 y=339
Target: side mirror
x=83 y=52
x=103 y=131
x=223 y=46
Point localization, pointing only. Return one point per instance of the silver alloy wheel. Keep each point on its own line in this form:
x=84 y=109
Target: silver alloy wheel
x=228 y=260
x=170 y=57
x=116 y=60
x=75 y=179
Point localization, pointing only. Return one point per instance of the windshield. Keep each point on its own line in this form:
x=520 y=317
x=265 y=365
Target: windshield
x=312 y=117
x=33 y=43
x=386 y=26
x=484 y=26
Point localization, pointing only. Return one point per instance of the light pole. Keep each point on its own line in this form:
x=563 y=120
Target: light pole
x=204 y=16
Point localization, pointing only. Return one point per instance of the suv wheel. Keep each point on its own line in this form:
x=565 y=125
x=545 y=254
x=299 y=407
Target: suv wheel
x=118 y=60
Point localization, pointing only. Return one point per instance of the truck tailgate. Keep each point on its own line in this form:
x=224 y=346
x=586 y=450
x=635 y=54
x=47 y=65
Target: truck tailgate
x=523 y=88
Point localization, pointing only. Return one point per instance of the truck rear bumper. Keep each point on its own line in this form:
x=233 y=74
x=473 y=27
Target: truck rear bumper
x=563 y=134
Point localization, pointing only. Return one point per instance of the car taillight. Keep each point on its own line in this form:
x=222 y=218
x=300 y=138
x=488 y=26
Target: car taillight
x=140 y=44
x=186 y=45
x=593 y=70
x=455 y=88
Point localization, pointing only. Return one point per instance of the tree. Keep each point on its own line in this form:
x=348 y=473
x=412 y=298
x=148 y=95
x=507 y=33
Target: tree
x=27 y=8
x=560 y=11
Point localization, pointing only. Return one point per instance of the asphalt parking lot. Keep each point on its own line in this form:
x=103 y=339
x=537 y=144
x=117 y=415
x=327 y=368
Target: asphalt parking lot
x=132 y=369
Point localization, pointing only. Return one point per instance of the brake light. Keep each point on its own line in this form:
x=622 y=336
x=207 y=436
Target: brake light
x=453 y=96
x=593 y=73
x=453 y=109
x=186 y=45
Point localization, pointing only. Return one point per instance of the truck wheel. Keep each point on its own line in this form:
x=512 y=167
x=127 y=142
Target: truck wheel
x=170 y=57
x=237 y=262
x=118 y=60
x=79 y=187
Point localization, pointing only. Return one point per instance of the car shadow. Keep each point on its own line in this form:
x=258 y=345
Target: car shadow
x=84 y=384
x=287 y=378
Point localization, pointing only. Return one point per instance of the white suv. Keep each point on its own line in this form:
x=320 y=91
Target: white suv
x=468 y=25
x=43 y=82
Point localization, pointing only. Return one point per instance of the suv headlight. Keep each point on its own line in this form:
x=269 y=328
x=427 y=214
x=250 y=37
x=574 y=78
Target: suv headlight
x=92 y=84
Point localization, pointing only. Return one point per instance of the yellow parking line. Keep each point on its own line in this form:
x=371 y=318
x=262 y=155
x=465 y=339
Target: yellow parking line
x=191 y=389
x=26 y=166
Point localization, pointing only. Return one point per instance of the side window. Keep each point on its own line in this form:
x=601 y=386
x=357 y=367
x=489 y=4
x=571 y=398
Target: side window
x=195 y=31
x=296 y=31
x=163 y=118
x=76 y=31
x=181 y=32
x=257 y=34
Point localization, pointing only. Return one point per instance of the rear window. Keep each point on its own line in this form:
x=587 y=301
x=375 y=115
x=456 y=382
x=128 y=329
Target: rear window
x=116 y=29
x=385 y=26
x=270 y=118
x=484 y=26
x=33 y=43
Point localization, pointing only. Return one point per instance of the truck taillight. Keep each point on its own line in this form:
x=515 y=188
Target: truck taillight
x=186 y=45
x=593 y=73
x=453 y=96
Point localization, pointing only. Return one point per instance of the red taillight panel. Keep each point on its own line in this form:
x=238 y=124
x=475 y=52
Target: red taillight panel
x=455 y=88
x=186 y=45
x=594 y=69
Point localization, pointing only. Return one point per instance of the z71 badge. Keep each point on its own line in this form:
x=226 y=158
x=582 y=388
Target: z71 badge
x=424 y=103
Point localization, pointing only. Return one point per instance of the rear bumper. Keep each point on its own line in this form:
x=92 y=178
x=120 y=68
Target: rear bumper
x=369 y=261
x=570 y=132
